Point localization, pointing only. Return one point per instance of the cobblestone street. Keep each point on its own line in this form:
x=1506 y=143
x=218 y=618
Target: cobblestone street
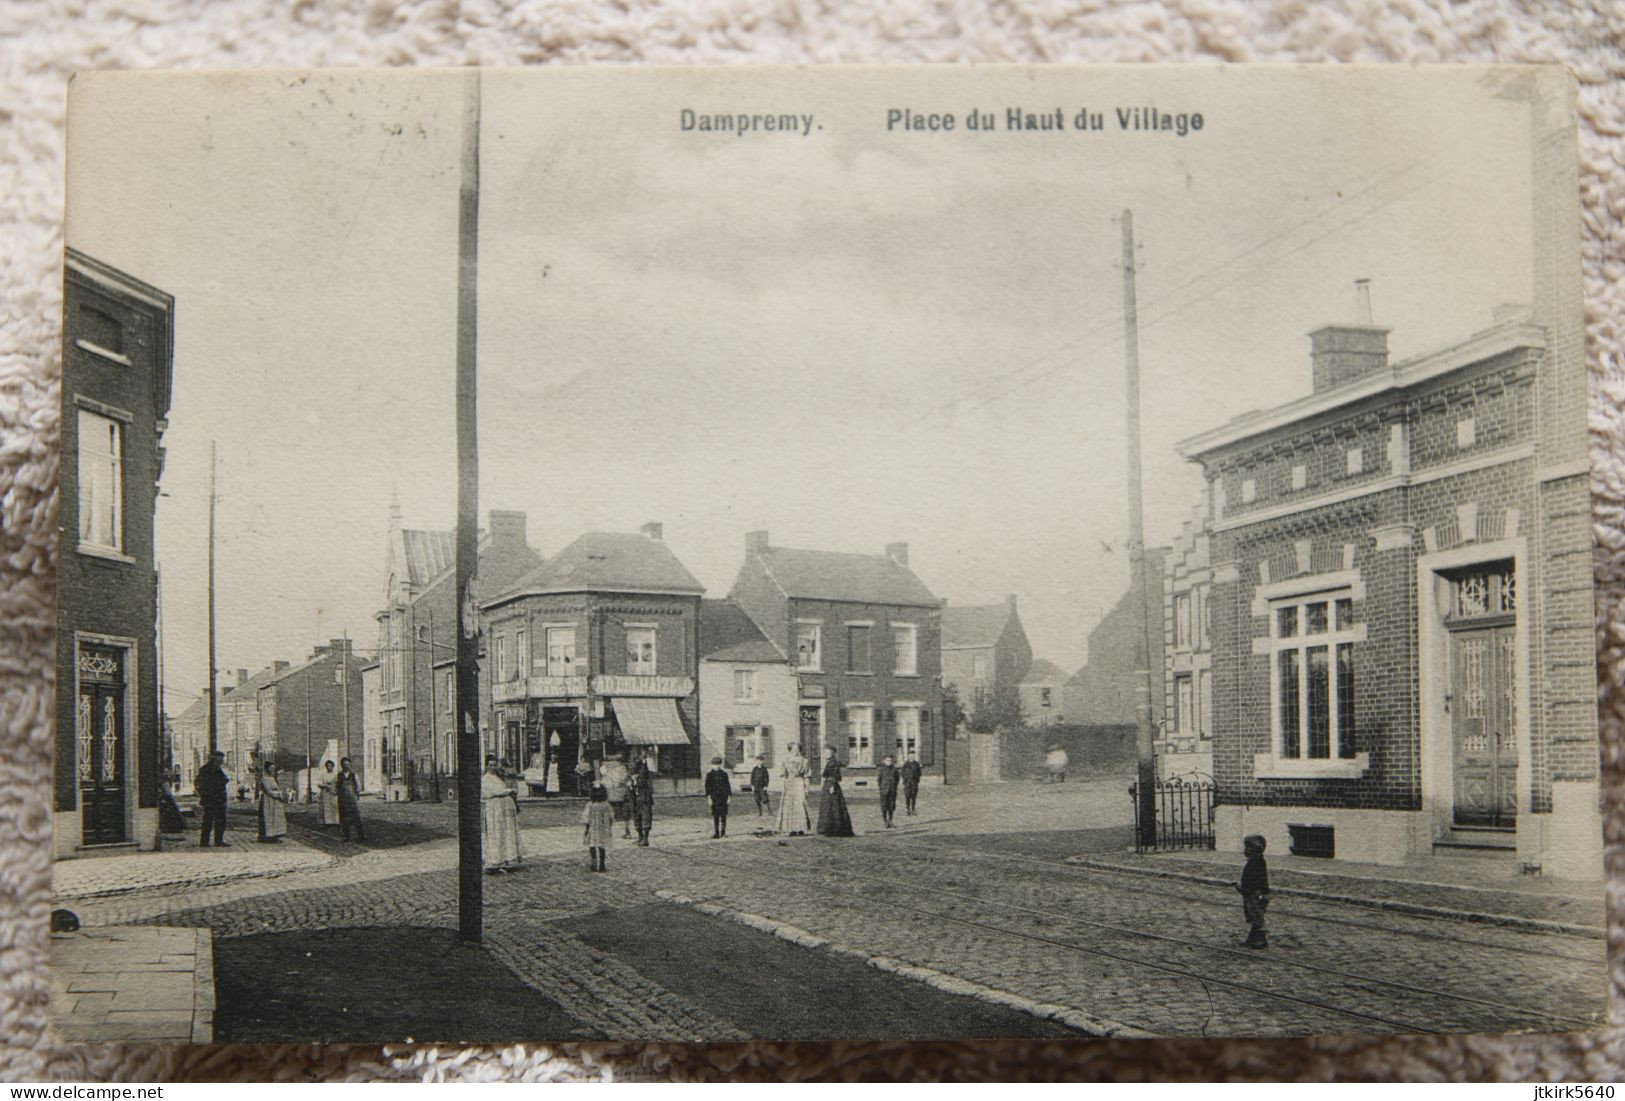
x=968 y=914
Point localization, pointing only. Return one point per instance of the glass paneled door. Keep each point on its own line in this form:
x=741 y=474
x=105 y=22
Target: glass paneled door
x=101 y=744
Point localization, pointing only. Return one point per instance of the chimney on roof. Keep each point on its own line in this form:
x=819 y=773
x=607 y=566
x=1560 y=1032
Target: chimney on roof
x=897 y=552
x=1010 y=601
x=339 y=645
x=653 y=530
x=242 y=677
x=278 y=666
x=1343 y=353
x=756 y=543
x=507 y=528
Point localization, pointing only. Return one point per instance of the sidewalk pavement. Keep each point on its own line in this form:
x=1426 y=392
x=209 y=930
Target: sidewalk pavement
x=1467 y=888
x=90 y=877
x=133 y=984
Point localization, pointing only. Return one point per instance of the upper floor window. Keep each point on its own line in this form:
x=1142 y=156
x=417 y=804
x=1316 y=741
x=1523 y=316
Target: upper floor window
x=809 y=651
x=100 y=332
x=561 y=651
x=521 y=653
x=1312 y=673
x=1182 y=621
x=640 y=651
x=745 y=685
x=857 y=649
x=101 y=482
x=906 y=649
x=979 y=665
x=504 y=673
x=1044 y=697
x=450 y=693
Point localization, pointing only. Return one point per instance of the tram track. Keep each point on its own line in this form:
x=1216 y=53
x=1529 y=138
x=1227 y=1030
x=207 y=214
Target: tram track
x=856 y=901
x=1196 y=894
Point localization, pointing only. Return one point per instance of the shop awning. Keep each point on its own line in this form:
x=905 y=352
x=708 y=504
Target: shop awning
x=649 y=721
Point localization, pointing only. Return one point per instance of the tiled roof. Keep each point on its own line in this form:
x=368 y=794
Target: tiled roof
x=973 y=625
x=610 y=560
x=1043 y=671
x=728 y=634
x=428 y=554
x=255 y=683
x=830 y=575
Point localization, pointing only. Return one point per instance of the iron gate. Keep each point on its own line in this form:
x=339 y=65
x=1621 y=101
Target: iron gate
x=1184 y=814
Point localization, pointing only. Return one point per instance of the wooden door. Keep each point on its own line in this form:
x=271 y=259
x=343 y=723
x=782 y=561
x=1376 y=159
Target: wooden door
x=811 y=727
x=1483 y=723
x=101 y=745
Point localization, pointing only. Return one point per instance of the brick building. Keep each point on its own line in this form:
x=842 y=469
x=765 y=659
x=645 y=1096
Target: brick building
x=1184 y=743
x=117 y=344
x=304 y=707
x=370 y=764
x=748 y=691
x=1104 y=691
x=596 y=651
x=1402 y=596
x=985 y=652
x=416 y=632
x=1042 y=693
x=864 y=636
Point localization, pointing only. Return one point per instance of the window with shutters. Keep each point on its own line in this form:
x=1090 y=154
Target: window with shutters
x=860 y=735
x=907 y=739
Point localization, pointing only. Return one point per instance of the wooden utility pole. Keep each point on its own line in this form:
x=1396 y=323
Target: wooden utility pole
x=434 y=732
x=344 y=689
x=1145 y=736
x=470 y=863
x=214 y=735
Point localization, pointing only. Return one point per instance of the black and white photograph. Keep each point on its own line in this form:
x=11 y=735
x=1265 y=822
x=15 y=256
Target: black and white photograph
x=824 y=555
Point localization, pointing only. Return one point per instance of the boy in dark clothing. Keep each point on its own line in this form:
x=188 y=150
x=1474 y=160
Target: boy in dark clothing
x=759 y=779
x=717 y=790
x=911 y=782
x=886 y=778
x=1255 y=891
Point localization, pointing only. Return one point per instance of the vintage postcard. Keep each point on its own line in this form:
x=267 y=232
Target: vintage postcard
x=822 y=554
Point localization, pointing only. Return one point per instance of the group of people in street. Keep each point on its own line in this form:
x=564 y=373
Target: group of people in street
x=339 y=801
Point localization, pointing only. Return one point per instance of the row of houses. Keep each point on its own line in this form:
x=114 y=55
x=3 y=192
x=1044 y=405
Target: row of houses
x=610 y=646
x=288 y=712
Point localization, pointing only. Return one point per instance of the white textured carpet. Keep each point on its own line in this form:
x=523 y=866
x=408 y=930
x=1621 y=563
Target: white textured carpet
x=40 y=44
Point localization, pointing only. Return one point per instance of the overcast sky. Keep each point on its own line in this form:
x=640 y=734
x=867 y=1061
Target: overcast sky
x=849 y=338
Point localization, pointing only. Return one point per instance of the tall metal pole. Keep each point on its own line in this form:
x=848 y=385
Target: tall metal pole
x=214 y=736
x=1145 y=737
x=470 y=870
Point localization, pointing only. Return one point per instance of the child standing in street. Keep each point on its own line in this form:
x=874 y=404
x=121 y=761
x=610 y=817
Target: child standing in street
x=598 y=825
x=1255 y=891
x=718 y=789
x=759 y=779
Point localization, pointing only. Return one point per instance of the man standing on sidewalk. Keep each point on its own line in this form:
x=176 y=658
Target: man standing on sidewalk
x=886 y=777
x=211 y=794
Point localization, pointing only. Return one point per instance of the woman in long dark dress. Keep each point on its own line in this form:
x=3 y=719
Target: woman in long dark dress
x=833 y=819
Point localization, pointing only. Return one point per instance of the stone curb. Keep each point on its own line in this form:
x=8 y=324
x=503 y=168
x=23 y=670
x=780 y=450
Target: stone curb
x=326 y=861
x=1395 y=906
x=940 y=980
